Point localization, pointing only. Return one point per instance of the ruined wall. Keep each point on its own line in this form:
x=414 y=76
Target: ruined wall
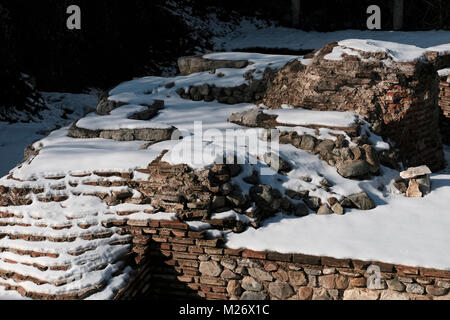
x=444 y=104
x=400 y=99
x=173 y=260
x=178 y=263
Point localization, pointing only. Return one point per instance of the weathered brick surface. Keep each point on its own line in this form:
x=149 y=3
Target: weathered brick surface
x=174 y=261
x=400 y=99
x=218 y=273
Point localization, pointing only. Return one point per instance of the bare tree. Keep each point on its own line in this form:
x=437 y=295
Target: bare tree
x=295 y=9
x=398 y=14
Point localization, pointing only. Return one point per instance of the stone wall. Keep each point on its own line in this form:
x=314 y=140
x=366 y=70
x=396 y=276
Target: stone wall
x=177 y=263
x=172 y=260
x=444 y=104
x=400 y=99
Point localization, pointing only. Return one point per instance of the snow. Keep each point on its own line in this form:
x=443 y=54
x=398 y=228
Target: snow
x=198 y=225
x=232 y=215
x=10 y=295
x=119 y=119
x=302 y=117
x=249 y=36
x=444 y=72
x=15 y=137
x=396 y=51
x=399 y=230
x=60 y=154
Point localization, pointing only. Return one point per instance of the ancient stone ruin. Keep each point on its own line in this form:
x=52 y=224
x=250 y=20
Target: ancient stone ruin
x=163 y=225
x=400 y=99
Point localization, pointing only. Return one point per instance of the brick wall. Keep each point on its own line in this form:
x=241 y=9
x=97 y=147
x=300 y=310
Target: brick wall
x=444 y=104
x=178 y=263
x=400 y=99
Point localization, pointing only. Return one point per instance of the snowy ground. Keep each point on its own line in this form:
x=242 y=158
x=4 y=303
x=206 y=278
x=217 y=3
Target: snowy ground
x=400 y=230
x=14 y=138
x=247 y=35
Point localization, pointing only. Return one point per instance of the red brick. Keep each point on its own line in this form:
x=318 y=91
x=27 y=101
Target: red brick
x=233 y=252
x=159 y=239
x=185 y=279
x=212 y=281
x=174 y=225
x=153 y=223
x=219 y=289
x=195 y=250
x=306 y=259
x=434 y=273
x=384 y=267
x=179 y=233
x=165 y=246
x=179 y=248
x=254 y=254
x=171 y=262
x=207 y=243
x=150 y=231
x=188 y=263
x=275 y=256
x=187 y=256
x=216 y=296
x=196 y=235
x=181 y=240
x=165 y=253
x=360 y=264
x=214 y=251
x=205 y=289
x=358 y=283
x=333 y=262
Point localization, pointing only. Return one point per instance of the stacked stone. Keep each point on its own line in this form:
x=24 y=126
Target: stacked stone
x=398 y=98
x=245 y=93
x=105 y=106
x=55 y=246
x=192 y=194
x=177 y=262
x=444 y=104
x=251 y=91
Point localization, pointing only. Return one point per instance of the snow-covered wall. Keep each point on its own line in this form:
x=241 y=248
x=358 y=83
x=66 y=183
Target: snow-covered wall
x=394 y=86
x=180 y=262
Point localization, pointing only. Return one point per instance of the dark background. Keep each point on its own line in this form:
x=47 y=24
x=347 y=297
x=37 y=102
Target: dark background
x=123 y=39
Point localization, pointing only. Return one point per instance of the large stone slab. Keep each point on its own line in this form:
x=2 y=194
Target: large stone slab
x=194 y=64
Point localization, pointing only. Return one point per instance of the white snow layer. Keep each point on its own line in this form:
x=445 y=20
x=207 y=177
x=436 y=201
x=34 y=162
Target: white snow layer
x=399 y=230
x=396 y=51
x=118 y=119
x=299 y=117
x=249 y=36
x=444 y=72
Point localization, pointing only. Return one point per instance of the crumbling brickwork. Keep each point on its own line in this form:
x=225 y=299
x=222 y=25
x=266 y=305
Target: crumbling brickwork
x=399 y=98
x=177 y=263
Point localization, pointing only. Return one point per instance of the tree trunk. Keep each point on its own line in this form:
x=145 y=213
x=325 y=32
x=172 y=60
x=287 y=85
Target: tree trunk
x=398 y=14
x=295 y=9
